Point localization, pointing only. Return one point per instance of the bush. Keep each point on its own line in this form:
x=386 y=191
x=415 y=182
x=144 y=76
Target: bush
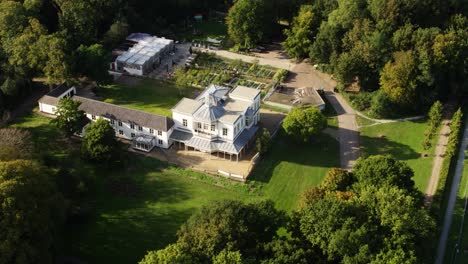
x=382 y=106
x=280 y=75
x=361 y=101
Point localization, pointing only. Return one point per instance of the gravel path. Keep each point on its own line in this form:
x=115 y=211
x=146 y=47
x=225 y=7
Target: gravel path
x=441 y=248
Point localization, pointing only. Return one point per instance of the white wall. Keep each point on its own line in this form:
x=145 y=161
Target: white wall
x=178 y=121
x=133 y=71
x=46 y=108
x=127 y=132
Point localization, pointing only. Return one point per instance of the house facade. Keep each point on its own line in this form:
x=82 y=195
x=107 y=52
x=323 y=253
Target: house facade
x=218 y=120
x=145 y=130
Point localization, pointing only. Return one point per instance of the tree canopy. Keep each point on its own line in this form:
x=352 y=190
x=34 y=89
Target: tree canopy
x=69 y=118
x=99 y=142
x=304 y=122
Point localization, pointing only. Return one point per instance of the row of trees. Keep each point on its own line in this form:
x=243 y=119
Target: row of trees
x=371 y=215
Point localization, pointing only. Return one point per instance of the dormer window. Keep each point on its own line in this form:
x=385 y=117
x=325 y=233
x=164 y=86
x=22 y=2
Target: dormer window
x=225 y=131
x=184 y=122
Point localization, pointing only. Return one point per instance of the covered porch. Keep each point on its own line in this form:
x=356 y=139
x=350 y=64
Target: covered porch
x=233 y=150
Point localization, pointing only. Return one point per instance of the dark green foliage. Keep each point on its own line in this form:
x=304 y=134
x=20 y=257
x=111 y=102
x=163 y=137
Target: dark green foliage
x=263 y=141
x=92 y=62
x=383 y=171
x=299 y=37
x=361 y=101
x=435 y=117
x=455 y=132
x=69 y=118
x=249 y=21
x=377 y=222
x=224 y=232
x=304 y=122
x=99 y=142
x=31 y=211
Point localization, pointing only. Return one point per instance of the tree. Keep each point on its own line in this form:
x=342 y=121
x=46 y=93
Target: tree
x=15 y=144
x=69 y=118
x=230 y=225
x=117 y=32
x=398 y=79
x=80 y=19
x=299 y=37
x=53 y=49
x=249 y=21
x=228 y=257
x=337 y=180
x=435 y=117
x=99 y=142
x=171 y=254
x=304 y=122
x=31 y=211
x=263 y=141
x=92 y=62
x=381 y=170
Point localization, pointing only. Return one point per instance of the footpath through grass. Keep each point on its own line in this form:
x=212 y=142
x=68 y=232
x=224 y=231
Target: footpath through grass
x=149 y=95
x=290 y=168
x=402 y=140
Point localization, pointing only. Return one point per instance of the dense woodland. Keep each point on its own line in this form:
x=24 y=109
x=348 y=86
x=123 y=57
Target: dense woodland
x=403 y=54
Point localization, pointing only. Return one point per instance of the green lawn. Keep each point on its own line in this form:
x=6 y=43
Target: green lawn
x=290 y=168
x=462 y=256
x=121 y=228
x=125 y=227
x=403 y=141
x=154 y=96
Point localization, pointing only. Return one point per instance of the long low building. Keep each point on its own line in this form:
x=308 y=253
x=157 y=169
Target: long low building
x=219 y=120
x=146 y=130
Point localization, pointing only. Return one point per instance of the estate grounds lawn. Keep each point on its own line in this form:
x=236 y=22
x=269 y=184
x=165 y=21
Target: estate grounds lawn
x=289 y=168
x=140 y=207
x=149 y=95
x=402 y=140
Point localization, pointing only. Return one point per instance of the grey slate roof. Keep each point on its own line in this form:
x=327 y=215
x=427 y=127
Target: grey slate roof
x=50 y=100
x=124 y=114
x=215 y=145
x=187 y=106
x=59 y=90
x=208 y=113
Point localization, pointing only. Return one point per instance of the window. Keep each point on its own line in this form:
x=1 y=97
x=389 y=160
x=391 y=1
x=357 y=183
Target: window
x=205 y=126
x=213 y=127
x=199 y=125
x=140 y=128
x=112 y=121
x=93 y=117
x=184 y=122
x=120 y=132
x=160 y=142
x=120 y=123
x=132 y=126
x=159 y=133
x=151 y=131
x=225 y=131
x=133 y=135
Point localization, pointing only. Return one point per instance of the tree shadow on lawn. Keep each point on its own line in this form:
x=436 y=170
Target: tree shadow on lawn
x=323 y=152
x=384 y=146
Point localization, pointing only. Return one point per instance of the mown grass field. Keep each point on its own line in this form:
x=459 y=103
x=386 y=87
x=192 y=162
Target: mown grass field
x=121 y=228
x=149 y=95
x=402 y=140
x=290 y=168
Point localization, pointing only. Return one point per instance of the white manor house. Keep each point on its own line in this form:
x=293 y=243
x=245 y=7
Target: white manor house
x=219 y=120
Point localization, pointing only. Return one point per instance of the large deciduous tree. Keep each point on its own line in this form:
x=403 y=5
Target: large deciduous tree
x=99 y=142
x=92 y=62
x=31 y=210
x=15 y=144
x=249 y=21
x=304 y=122
x=299 y=37
x=69 y=118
